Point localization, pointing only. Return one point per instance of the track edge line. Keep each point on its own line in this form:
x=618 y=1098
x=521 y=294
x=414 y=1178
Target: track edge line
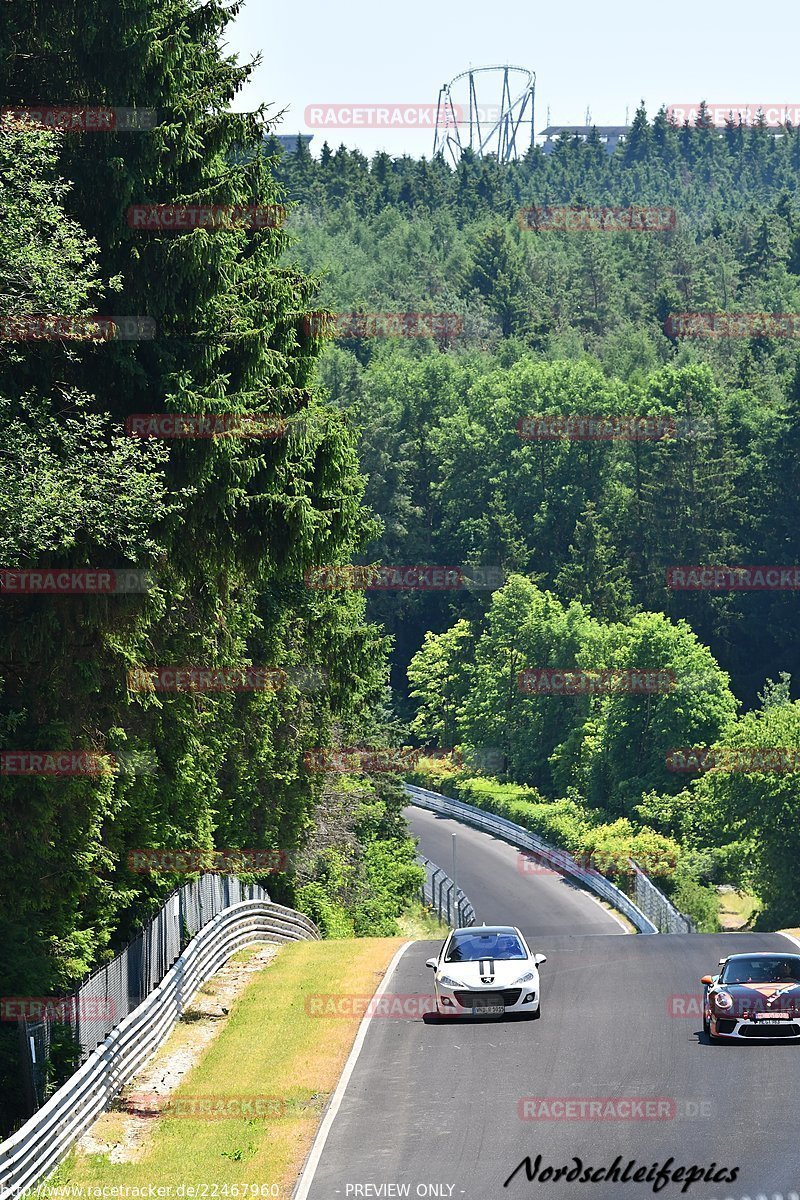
x=308 y=1172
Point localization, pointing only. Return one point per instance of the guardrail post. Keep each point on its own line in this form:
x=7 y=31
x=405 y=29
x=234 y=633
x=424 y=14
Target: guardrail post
x=28 y=1069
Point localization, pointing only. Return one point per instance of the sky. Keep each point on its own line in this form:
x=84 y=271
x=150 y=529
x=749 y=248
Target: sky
x=585 y=54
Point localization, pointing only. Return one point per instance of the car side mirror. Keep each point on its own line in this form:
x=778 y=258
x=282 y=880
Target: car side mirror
x=539 y=959
x=432 y=962
x=709 y=979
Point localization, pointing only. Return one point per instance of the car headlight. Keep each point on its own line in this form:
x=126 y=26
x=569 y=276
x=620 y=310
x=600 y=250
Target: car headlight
x=723 y=1000
x=448 y=982
x=525 y=978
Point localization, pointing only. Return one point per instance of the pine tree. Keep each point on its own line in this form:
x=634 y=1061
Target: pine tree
x=638 y=141
x=498 y=274
x=249 y=515
x=593 y=573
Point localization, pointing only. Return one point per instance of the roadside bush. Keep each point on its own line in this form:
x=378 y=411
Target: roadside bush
x=698 y=902
x=332 y=919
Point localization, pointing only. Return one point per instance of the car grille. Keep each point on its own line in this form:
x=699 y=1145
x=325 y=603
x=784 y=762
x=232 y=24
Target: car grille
x=725 y=1025
x=509 y=997
x=784 y=1030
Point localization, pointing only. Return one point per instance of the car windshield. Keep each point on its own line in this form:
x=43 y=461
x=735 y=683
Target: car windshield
x=762 y=970
x=473 y=946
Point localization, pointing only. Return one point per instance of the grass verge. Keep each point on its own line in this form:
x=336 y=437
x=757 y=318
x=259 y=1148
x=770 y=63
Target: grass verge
x=422 y=924
x=737 y=911
x=270 y=1047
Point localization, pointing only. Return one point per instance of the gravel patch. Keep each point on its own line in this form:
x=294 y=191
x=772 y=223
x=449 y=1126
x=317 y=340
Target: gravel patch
x=123 y=1133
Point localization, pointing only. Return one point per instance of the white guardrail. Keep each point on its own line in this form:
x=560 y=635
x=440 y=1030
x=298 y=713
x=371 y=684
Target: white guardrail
x=40 y=1144
x=525 y=840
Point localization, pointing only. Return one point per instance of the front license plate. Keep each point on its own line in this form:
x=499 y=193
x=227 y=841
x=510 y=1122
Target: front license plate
x=771 y=1020
x=491 y=1009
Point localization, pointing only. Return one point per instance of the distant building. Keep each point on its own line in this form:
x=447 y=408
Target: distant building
x=610 y=135
x=289 y=140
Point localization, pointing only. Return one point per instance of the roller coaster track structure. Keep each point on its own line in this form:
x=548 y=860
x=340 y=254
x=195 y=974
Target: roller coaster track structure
x=467 y=120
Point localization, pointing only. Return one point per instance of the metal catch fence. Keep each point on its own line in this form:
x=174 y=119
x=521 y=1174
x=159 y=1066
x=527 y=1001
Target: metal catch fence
x=33 y=1150
x=113 y=991
x=655 y=905
x=440 y=893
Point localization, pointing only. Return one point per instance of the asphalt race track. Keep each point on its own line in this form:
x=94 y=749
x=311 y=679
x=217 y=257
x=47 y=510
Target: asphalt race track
x=496 y=878
x=436 y=1107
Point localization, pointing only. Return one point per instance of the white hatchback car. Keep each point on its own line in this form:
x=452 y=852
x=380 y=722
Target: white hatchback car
x=487 y=971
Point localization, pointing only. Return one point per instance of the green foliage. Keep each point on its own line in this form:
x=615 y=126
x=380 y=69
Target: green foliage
x=227 y=526
x=699 y=903
x=612 y=746
x=595 y=521
x=568 y=824
x=441 y=679
x=589 y=771
x=331 y=919
x=756 y=804
x=399 y=453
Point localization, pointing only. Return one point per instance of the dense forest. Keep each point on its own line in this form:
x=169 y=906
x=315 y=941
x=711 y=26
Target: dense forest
x=575 y=325
x=402 y=450
x=225 y=526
